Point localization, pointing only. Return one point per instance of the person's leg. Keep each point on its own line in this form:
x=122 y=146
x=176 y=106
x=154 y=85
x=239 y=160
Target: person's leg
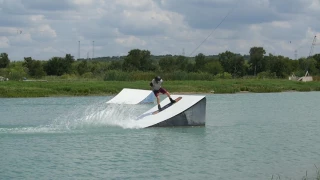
x=164 y=91
x=158 y=100
x=156 y=93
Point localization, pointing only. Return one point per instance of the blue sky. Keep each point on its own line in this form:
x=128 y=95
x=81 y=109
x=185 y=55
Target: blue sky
x=45 y=28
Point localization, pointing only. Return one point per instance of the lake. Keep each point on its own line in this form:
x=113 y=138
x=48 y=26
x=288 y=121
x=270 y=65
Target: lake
x=247 y=136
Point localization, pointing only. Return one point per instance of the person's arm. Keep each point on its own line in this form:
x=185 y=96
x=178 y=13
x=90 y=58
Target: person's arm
x=160 y=82
x=151 y=83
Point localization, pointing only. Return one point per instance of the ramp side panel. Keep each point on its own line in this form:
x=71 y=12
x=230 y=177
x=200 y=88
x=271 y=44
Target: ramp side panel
x=133 y=96
x=187 y=101
x=194 y=116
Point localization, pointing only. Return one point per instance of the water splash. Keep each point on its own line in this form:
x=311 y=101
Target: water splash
x=30 y=130
x=86 y=117
x=100 y=115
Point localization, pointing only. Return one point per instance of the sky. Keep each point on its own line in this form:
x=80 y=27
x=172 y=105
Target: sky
x=42 y=29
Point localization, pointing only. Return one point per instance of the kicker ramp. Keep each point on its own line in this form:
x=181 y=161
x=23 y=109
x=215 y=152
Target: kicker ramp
x=189 y=111
x=133 y=96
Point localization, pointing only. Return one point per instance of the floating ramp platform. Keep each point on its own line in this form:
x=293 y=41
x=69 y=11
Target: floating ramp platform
x=133 y=96
x=189 y=111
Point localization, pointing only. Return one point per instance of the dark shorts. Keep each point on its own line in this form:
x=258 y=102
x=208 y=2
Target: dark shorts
x=161 y=90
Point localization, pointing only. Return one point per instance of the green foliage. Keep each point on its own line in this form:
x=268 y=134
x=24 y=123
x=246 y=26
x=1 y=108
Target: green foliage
x=266 y=75
x=317 y=58
x=200 y=76
x=232 y=63
x=224 y=75
x=68 y=76
x=256 y=60
x=176 y=75
x=87 y=75
x=308 y=64
x=167 y=64
x=115 y=75
x=55 y=66
x=182 y=63
x=138 y=60
x=213 y=67
x=115 y=65
x=182 y=75
x=226 y=60
x=58 y=65
x=82 y=67
x=279 y=65
x=84 y=88
x=34 y=68
x=15 y=71
x=4 y=60
x=201 y=61
x=3 y=72
x=141 y=65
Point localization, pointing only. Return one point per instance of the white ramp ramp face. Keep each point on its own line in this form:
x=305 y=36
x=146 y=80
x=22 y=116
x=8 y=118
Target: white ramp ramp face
x=133 y=96
x=188 y=111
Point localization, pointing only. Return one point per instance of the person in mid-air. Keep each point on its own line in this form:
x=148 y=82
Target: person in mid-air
x=156 y=87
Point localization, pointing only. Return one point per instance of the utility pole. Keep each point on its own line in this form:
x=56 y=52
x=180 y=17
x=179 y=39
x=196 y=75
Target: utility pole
x=311 y=53
x=295 y=54
x=92 y=49
x=312 y=46
x=79 y=51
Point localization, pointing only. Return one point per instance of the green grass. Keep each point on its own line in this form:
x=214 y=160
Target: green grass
x=86 y=88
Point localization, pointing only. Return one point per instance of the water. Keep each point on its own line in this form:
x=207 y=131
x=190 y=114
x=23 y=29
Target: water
x=247 y=136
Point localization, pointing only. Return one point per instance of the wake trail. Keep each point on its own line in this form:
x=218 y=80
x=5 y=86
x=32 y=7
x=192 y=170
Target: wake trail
x=84 y=118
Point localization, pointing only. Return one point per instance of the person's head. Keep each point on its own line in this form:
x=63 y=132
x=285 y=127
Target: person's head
x=157 y=78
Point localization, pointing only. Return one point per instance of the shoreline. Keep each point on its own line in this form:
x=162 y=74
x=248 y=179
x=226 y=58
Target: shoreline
x=19 y=89
x=173 y=93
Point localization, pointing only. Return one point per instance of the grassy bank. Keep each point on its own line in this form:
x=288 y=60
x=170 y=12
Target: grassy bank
x=86 y=88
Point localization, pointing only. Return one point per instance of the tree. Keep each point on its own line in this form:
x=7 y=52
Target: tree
x=308 y=64
x=200 y=62
x=214 y=67
x=278 y=66
x=238 y=67
x=115 y=65
x=256 y=59
x=232 y=63
x=67 y=63
x=225 y=60
x=182 y=63
x=167 y=64
x=35 y=68
x=317 y=58
x=145 y=61
x=59 y=66
x=55 y=66
x=4 y=60
x=138 y=60
x=82 y=67
x=190 y=67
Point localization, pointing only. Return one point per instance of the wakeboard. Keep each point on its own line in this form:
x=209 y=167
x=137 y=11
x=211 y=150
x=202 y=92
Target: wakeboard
x=166 y=106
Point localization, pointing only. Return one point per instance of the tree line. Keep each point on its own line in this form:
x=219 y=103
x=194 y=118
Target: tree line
x=141 y=64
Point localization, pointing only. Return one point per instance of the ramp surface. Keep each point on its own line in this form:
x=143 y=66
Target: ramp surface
x=148 y=119
x=133 y=96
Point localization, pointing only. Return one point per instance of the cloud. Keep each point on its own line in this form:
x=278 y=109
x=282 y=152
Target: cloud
x=4 y=42
x=46 y=5
x=43 y=28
